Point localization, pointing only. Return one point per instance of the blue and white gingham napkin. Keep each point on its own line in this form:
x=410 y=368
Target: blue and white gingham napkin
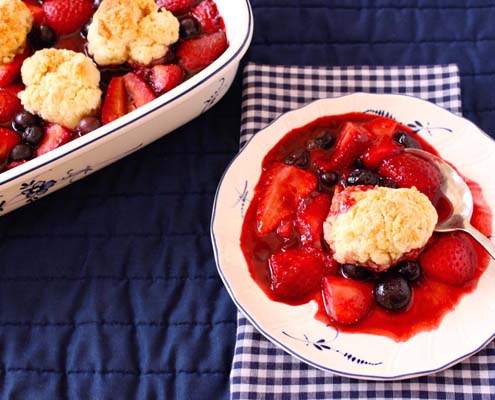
x=260 y=370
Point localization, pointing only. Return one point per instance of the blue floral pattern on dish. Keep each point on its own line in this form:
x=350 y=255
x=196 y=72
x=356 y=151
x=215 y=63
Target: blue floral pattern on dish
x=35 y=189
x=324 y=344
x=242 y=198
x=417 y=127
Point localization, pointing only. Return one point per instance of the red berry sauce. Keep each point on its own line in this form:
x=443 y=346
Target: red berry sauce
x=431 y=300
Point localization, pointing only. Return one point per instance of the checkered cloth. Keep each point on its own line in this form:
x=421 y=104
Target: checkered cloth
x=262 y=371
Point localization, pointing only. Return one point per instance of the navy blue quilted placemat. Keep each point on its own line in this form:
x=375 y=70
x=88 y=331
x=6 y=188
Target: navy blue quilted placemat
x=108 y=288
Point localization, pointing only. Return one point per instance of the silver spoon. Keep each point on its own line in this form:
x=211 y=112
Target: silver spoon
x=456 y=190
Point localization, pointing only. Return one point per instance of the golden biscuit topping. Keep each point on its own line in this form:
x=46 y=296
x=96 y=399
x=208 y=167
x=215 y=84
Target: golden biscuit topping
x=16 y=21
x=62 y=86
x=376 y=227
x=137 y=32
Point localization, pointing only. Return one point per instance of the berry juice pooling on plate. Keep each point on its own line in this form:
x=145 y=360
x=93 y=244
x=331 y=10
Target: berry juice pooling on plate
x=343 y=216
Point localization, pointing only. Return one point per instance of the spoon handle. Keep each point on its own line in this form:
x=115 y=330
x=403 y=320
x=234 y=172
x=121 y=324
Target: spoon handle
x=480 y=238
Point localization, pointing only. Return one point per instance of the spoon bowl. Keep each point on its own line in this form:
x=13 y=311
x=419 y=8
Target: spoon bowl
x=455 y=189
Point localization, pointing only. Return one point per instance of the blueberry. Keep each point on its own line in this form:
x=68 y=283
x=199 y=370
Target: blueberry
x=324 y=141
x=389 y=183
x=24 y=119
x=298 y=158
x=328 y=177
x=42 y=37
x=363 y=177
x=21 y=152
x=188 y=27
x=96 y=4
x=88 y=124
x=33 y=135
x=392 y=292
x=410 y=270
x=356 y=272
x=407 y=140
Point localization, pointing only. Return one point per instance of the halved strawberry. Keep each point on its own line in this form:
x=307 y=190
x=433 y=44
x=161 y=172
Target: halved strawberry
x=115 y=104
x=206 y=13
x=283 y=187
x=381 y=126
x=310 y=217
x=9 y=105
x=11 y=71
x=55 y=136
x=346 y=301
x=8 y=139
x=408 y=170
x=37 y=11
x=295 y=274
x=138 y=90
x=165 y=77
x=450 y=259
x=177 y=6
x=352 y=140
x=381 y=148
x=197 y=53
x=66 y=17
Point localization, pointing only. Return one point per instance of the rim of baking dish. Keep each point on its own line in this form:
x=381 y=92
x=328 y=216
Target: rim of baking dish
x=185 y=89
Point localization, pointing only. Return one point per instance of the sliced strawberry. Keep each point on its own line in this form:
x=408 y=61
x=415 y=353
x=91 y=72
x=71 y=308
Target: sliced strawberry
x=115 y=104
x=451 y=259
x=37 y=11
x=346 y=301
x=66 y=17
x=8 y=139
x=381 y=126
x=197 y=53
x=138 y=90
x=295 y=274
x=11 y=71
x=381 y=148
x=177 y=6
x=9 y=105
x=408 y=170
x=165 y=77
x=206 y=13
x=352 y=140
x=55 y=136
x=283 y=187
x=310 y=217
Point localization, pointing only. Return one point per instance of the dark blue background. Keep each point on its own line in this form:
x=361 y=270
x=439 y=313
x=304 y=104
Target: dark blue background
x=108 y=288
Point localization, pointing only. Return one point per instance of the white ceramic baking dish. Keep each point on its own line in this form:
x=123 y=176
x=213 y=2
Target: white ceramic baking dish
x=79 y=158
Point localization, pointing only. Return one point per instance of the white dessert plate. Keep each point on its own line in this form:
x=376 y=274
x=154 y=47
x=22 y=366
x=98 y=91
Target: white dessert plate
x=462 y=333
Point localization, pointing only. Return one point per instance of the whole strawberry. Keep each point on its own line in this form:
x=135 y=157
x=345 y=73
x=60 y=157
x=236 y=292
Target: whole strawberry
x=451 y=259
x=408 y=170
x=67 y=16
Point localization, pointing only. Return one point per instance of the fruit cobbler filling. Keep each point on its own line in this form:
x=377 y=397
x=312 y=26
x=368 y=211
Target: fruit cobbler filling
x=69 y=67
x=345 y=216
